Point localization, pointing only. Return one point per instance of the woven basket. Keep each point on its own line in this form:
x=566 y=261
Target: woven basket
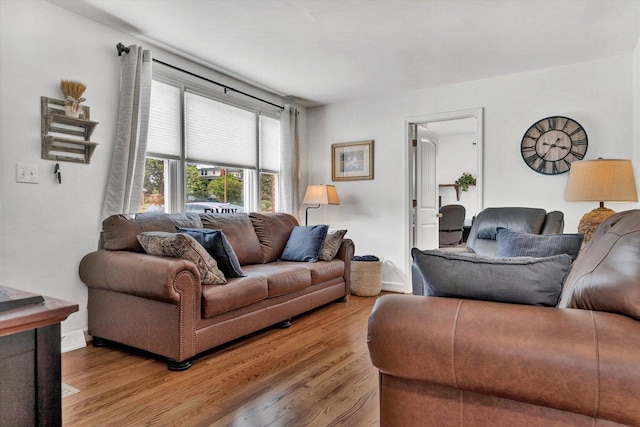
x=366 y=278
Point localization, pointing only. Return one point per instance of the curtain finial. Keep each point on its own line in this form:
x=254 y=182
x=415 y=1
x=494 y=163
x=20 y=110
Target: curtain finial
x=122 y=48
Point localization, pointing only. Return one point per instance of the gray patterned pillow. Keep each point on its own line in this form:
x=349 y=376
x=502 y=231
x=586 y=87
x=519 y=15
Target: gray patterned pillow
x=178 y=245
x=512 y=243
x=331 y=244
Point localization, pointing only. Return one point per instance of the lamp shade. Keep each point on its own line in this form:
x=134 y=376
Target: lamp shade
x=321 y=195
x=601 y=180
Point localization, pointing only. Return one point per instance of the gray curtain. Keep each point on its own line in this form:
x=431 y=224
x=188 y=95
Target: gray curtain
x=124 y=186
x=289 y=171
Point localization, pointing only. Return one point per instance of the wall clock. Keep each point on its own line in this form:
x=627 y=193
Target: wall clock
x=551 y=144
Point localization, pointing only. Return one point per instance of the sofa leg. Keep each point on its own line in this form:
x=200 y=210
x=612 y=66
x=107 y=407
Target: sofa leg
x=174 y=365
x=98 y=342
x=285 y=323
x=343 y=299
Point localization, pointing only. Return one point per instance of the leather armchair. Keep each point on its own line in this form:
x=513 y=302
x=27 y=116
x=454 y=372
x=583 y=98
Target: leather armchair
x=459 y=362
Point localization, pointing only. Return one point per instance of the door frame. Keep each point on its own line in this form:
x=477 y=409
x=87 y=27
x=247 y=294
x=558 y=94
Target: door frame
x=409 y=122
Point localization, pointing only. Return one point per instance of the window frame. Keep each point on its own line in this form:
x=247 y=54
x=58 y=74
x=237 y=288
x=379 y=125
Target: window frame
x=175 y=167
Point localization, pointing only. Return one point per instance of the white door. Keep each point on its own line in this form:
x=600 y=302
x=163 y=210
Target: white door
x=426 y=194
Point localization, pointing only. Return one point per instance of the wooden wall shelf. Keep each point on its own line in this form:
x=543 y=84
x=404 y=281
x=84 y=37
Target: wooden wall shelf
x=456 y=186
x=67 y=150
x=55 y=123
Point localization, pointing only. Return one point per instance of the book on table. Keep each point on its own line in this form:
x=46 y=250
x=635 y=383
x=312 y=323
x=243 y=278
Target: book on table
x=14 y=298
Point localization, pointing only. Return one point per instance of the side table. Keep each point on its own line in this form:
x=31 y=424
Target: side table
x=30 y=369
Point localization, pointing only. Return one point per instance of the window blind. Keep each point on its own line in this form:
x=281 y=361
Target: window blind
x=219 y=133
x=164 y=120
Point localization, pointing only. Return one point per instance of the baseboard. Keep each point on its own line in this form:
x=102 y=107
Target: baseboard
x=393 y=287
x=72 y=341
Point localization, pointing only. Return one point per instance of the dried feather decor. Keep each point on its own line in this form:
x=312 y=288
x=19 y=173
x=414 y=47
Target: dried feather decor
x=73 y=91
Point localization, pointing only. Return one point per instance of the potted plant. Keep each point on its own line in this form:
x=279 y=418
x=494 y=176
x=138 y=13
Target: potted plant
x=465 y=180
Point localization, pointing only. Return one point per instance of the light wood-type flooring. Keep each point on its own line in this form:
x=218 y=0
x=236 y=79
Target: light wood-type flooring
x=315 y=373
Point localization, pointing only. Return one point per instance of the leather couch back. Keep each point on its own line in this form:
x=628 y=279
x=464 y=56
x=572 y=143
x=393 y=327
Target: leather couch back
x=238 y=230
x=482 y=237
x=606 y=274
x=256 y=238
x=273 y=231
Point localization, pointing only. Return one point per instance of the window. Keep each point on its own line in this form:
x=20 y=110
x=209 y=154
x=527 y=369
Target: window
x=208 y=152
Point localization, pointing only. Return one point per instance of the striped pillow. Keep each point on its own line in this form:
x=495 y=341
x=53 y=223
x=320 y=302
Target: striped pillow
x=514 y=244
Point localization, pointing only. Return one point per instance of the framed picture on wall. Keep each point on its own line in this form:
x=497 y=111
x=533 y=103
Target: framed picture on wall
x=352 y=161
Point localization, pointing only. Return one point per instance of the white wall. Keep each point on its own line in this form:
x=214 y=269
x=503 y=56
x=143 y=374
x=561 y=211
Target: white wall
x=457 y=154
x=46 y=228
x=598 y=94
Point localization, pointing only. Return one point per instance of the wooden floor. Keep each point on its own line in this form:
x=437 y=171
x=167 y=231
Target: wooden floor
x=315 y=373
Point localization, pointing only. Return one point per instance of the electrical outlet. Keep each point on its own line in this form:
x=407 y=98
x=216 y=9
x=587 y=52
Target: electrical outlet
x=26 y=173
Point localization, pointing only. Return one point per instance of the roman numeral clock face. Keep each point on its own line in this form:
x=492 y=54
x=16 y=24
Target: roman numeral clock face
x=551 y=144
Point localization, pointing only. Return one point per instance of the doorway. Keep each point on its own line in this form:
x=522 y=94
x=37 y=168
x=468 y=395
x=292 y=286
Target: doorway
x=433 y=169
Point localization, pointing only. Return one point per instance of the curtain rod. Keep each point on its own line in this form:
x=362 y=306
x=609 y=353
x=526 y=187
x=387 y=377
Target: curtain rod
x=122 y=48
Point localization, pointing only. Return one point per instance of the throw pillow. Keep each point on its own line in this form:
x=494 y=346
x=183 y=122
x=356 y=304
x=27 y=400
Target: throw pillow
x=513 y=244
x=218 y=247
x=521 y=280
x=304 y=243
x=183 y=246
x=331 y=244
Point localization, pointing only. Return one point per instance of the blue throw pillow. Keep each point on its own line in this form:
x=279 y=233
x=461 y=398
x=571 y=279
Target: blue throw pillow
x=512 y=243
x=304 y=243
x=215 y=242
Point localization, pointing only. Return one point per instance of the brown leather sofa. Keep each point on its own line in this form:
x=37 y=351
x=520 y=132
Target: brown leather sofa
x=458 y=362
x=159 y=305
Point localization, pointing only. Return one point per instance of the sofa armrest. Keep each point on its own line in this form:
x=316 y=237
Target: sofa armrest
x=345 y=253
x=574 y=360
x=154 y=277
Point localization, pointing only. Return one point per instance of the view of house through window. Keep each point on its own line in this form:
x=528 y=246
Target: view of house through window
x=205 y=154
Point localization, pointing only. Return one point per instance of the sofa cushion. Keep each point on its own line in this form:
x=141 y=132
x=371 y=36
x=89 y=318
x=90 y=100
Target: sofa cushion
x=521 y=280
x=218 y=247
x=281 y=278
x=606 y=275
x=331 y=244
x=512 y=244
x=238 y=292
x=119 y=232
x=304 y=243
x=239 y=231
x=321 y=271
x=273 y=230
x=183 y=246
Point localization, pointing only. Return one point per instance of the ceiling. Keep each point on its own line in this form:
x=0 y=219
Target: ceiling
x=327 y=51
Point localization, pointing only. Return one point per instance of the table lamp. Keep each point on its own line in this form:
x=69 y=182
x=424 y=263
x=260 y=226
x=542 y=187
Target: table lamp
x=319 y=195
x=600 y=180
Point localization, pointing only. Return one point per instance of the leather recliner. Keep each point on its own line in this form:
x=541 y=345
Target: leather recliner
x=482 y=237
x=461 y=362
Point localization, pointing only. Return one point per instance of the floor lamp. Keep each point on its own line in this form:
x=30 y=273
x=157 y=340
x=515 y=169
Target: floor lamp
x=319 y=195
x=600 y=180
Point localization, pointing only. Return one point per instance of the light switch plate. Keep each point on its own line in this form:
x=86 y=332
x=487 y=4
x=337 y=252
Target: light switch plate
x=26 y=172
